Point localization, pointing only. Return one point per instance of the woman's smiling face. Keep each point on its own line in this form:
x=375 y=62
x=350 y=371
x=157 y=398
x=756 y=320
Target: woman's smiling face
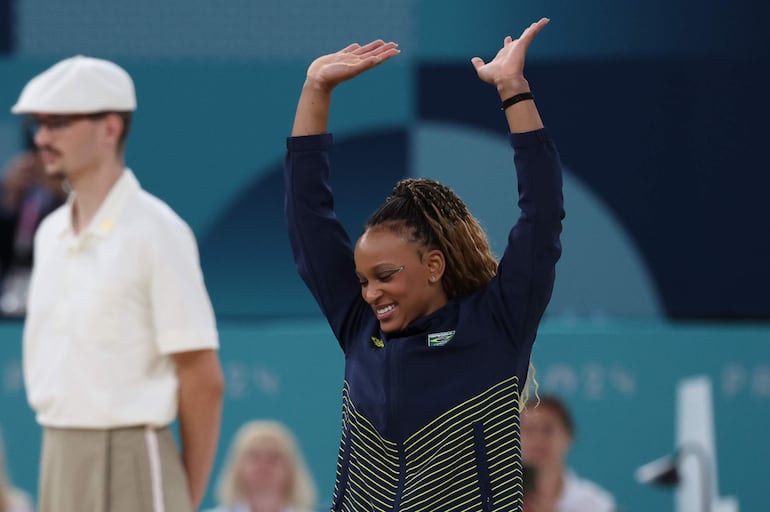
x=399 y=279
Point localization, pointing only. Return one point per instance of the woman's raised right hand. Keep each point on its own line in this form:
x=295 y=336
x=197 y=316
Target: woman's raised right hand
x=328 y=71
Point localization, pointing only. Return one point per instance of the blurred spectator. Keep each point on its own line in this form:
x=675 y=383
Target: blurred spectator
x=265 y=472
x=27 y=195
x=547 y=432
x=11 y=499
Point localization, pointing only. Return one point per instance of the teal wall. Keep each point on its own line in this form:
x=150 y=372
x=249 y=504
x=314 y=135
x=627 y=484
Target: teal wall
x=618 y=377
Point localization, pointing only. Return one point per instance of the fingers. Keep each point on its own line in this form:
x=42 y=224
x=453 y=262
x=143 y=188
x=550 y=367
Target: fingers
x=508 y=40
x=351 y=48
x=530 y=32
x=382 y=56
x=369 y=47
x=384 y=48
x=372 y=53
x=477 y=62
x=375 y=52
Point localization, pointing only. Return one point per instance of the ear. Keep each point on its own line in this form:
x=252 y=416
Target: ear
x=113 y=126
x=436 y=263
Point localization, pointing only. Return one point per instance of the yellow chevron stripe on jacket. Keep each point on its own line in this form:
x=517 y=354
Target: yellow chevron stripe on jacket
x=466 y=459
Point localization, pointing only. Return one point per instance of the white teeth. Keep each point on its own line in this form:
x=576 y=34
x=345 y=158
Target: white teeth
x=386 y=309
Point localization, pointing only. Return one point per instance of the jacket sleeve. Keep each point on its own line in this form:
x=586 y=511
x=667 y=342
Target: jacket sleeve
x=519 y=293
x=322 y=250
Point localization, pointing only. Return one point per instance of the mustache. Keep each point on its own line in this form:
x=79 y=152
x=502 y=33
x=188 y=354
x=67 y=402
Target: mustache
x=49 y=149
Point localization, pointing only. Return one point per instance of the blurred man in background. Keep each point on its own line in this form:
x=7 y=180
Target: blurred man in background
x=120 y=336
x=27 y=195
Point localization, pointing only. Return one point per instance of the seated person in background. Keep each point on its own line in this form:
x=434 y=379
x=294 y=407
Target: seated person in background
x=547 y=432
x=27 y=195
x=265 y=472
x=11 y=499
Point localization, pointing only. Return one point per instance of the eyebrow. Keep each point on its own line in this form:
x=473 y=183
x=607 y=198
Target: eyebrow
x=384 y=267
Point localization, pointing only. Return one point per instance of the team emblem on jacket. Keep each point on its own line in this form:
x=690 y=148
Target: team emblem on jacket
x=439 y=339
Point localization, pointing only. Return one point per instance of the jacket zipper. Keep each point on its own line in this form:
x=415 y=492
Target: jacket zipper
x=482 y=466
x=390 y=390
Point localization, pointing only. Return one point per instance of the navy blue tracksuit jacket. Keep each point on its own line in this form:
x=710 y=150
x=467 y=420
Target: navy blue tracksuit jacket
x=430 y=415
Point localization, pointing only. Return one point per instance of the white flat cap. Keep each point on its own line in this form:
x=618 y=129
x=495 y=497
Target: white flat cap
x=78 y=85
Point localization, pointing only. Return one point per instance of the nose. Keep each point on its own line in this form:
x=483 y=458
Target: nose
x=41 y=136
x=371 y=293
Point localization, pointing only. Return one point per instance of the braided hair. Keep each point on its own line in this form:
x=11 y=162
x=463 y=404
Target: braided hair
x=433 y=216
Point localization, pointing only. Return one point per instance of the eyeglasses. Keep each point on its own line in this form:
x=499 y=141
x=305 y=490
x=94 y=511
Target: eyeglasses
x=58 y=122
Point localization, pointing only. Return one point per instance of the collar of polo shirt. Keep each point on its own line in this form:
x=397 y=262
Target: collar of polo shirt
x=104 y=220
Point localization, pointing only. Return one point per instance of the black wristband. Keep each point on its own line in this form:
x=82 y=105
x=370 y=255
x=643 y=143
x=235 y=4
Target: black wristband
x=515 y=99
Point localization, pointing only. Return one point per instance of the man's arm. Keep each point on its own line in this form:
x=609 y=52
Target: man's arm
x=201 y=388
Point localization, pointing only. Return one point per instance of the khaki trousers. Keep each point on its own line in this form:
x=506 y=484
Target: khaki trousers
x=118 y=470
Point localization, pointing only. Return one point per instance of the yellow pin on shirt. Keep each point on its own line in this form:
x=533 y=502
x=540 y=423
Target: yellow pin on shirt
x=106 y=225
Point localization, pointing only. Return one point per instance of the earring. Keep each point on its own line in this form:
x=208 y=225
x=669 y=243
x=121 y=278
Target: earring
x=433 y=278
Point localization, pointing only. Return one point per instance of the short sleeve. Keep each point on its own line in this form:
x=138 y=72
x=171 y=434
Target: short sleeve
x=182 y=313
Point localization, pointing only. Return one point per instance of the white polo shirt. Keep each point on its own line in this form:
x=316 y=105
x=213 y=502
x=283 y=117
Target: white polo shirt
x=107 y=307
